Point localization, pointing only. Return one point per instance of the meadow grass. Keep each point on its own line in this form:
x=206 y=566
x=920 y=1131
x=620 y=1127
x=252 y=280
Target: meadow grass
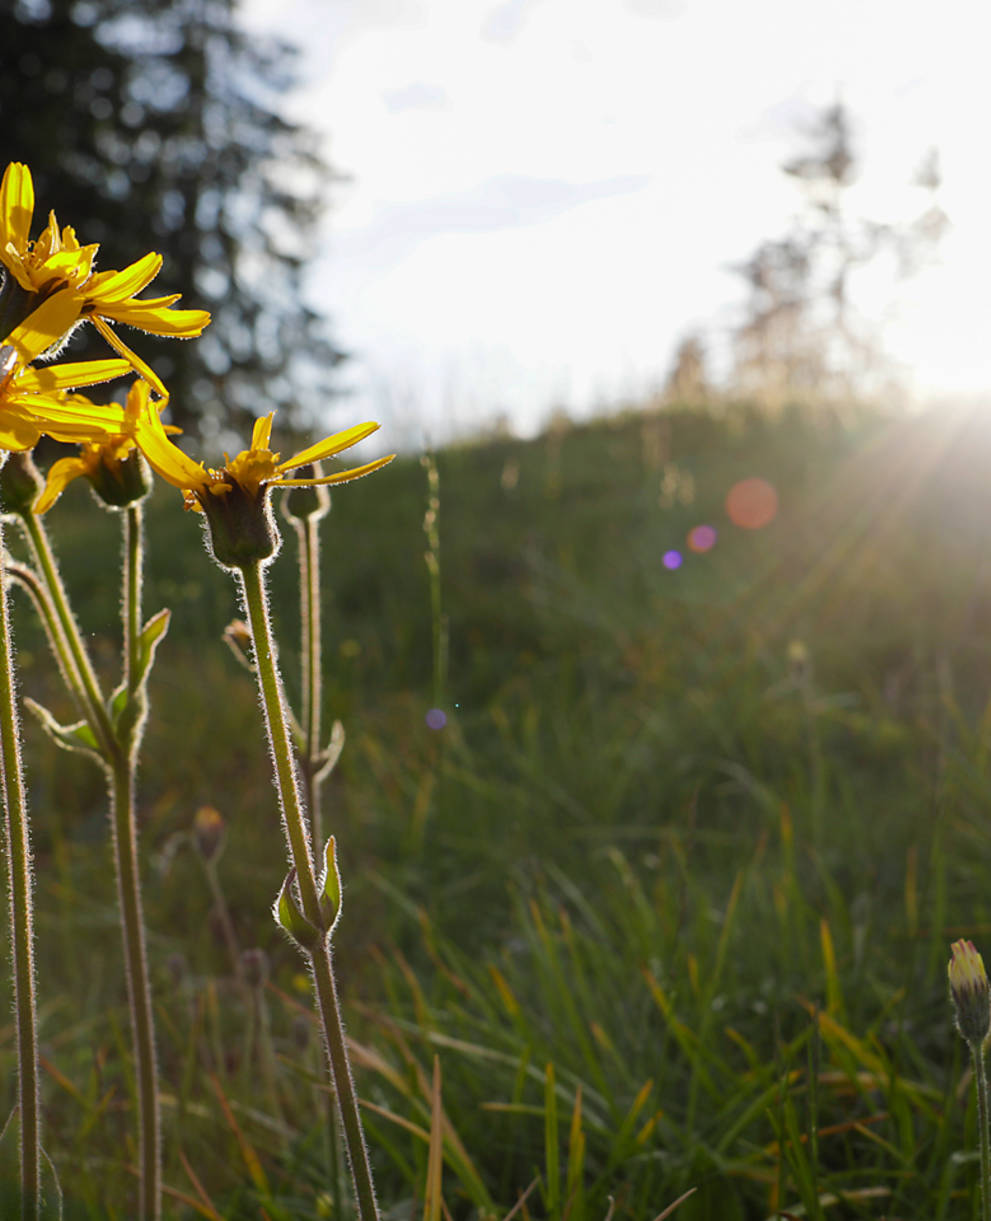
x=668 y=901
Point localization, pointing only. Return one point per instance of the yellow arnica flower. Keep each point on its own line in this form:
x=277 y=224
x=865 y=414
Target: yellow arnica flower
x=253 y=469
x=109 y=462
x=970 y=992
x=242 y=531
x=36 y=400
x=56 y=263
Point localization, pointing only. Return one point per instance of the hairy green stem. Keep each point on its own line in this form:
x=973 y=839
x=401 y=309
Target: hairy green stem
x=82 y=667
x=125 y=840
x=138 y=991
x=984 y=1135
x=120 y=760
x=309 y=585
x=133 y=530
x=308 y=537
x=273 y=702
x=25 y=576
x=21 y=920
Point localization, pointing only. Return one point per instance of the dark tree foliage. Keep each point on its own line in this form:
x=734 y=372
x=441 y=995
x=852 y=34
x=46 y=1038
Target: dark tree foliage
x=156 y=127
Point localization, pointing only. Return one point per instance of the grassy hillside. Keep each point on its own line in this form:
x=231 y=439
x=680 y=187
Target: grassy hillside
x=670 y=895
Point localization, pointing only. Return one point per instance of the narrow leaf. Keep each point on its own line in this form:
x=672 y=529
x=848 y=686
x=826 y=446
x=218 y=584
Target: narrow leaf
x=78 y=737
x=291 y=919
x=152 y=634
x=330 y=887
x=435 y=1155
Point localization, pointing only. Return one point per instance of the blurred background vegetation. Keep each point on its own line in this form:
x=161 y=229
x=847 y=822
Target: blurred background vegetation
x=671 y=891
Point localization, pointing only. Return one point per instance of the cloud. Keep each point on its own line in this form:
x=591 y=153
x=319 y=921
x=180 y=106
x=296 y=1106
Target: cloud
x=504 y=22
x=417 y=95
x=506 y=201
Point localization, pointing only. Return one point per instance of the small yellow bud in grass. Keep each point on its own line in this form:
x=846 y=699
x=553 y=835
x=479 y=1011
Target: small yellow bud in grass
x=208 y=832
x=237 y=637
x=970 y=992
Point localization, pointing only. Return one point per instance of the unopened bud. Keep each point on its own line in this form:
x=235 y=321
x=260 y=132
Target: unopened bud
x=242 y=529
x=120 y=482
x=208 y=832
x=313 y=501
x=970 y=992
x=20 y=483
x=237 y=637
x=255 y=965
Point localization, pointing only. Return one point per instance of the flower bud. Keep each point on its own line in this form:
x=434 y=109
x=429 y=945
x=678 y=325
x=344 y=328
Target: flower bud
x=20 y=484
x=122 y=481
x=208 y=832
x=255 y=964
x=970 y=992
x=237 y=637
x=299 y=503
x=242 y=529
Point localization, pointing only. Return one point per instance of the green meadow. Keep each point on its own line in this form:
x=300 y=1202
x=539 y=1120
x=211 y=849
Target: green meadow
x=667 y=901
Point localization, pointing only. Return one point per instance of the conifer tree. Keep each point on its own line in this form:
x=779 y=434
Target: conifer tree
x=163 y=121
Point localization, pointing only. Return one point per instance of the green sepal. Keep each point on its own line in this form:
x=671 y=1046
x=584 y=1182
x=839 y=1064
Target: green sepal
x=78 y=737
x=329 y=887
x=291 y=920
x=327 y=759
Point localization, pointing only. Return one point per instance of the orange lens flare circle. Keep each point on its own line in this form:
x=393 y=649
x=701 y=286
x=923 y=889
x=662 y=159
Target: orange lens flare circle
x=751 y=504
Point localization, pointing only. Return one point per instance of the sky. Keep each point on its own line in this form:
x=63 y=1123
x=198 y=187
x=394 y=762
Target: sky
x=543 y=196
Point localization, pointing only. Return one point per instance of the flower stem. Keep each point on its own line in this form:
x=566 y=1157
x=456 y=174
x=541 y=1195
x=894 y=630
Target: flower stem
x=82 y=667
x=273 y=702
x=120 y=760
x=313 y=775
x=138 y=989
x=133 y=530
x=309 y=585
x=125 y=841
x=21 y=920
x=984 y=1134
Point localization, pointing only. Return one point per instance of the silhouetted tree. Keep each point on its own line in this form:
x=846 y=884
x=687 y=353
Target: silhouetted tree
x=688 y=378
x=158 y=127
x=800 y=335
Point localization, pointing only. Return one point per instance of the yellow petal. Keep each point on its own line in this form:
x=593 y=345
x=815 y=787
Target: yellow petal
x=133 y=359
x=341 y=477
x=45 y=326
x=156 y=320
x=329 y=446
x=73 y=266
x=16 y=206
x=49 y=378
x=112 y=287
x=18 y=430
x=59 y=477
x=261 y=434
x=66 y=417
x=164 y=458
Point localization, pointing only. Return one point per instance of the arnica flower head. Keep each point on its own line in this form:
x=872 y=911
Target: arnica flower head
x=37 y=400
x=112 y=464
x=56 y=263
x=234 y=497
x=970 y=992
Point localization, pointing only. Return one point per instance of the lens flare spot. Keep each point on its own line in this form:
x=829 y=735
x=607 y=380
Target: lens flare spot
x=436 y=718
x=671 y=560
x=702 y=538
x=751 y=504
